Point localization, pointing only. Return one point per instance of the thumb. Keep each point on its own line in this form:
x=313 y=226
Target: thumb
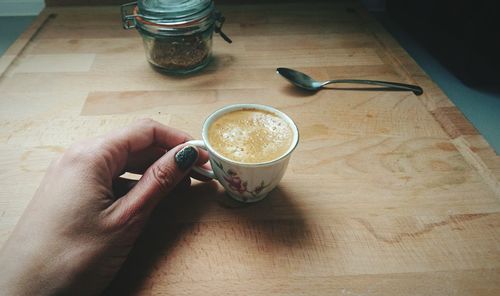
x=158 y=180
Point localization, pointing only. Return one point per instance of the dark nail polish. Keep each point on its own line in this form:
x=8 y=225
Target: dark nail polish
x=185 y=158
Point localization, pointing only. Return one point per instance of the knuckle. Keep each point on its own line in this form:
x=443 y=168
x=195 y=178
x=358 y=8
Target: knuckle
x=123 y=220
x=76 y=153
x=146 y=122
x=84 y=152
x=99 y=143
x=164 y=177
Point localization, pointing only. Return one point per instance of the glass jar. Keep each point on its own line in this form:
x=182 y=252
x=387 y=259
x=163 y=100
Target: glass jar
x=177 y=34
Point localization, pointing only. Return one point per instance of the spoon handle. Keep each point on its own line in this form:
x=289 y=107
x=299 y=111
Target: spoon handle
x=417 y=90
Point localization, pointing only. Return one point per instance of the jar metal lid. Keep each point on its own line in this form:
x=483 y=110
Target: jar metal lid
x=174 y=11
x=166 y=12
x=181 y=24
x=172 y=17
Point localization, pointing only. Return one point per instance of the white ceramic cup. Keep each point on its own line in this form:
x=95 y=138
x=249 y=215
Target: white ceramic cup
x=245 y=182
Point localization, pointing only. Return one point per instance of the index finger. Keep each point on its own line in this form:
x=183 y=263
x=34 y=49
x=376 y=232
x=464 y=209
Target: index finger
x=139 y=136
x=146 y=133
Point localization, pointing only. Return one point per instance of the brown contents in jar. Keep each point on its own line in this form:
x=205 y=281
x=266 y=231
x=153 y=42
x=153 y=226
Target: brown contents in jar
x=177 y=53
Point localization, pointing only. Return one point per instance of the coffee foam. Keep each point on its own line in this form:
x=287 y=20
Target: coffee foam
x=250 y=136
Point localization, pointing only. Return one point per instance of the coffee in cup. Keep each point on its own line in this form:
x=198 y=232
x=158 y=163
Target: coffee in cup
x=250 y=136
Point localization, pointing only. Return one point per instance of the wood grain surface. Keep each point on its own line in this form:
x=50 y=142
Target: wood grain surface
x=387 y=193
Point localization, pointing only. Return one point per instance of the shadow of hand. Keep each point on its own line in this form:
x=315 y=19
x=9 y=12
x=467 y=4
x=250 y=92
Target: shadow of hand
x=189 y=231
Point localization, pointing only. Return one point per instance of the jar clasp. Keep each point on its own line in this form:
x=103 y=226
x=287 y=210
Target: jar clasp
x=219 y=21
x=128 y=20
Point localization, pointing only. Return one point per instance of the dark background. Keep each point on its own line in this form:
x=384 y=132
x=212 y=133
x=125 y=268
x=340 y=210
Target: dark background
x=463 y=35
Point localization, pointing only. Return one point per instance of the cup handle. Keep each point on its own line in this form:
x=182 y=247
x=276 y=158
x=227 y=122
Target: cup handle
x=204 y=172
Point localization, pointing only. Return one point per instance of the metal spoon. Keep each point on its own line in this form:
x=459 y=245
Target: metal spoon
x=306 y=82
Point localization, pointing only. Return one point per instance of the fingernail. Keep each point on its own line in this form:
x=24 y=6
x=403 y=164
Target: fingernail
x=185 y=158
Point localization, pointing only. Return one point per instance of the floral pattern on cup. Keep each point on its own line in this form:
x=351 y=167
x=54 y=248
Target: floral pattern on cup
x=237 y=185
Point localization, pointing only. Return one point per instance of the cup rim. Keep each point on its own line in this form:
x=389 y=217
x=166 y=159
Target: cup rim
x=234 y=107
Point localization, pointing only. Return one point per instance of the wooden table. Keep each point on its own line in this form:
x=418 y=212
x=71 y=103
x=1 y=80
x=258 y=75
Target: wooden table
x=387 y=194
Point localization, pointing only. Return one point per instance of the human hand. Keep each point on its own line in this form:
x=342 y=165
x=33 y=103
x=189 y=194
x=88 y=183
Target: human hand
x=78 y=229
